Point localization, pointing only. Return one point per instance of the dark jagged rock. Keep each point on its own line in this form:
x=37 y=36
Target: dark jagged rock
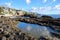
x=42 y=38
x=30 y=15
x=45 y=16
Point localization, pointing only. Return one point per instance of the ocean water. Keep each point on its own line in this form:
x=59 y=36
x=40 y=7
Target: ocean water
x=55 y=15
x=37 y=30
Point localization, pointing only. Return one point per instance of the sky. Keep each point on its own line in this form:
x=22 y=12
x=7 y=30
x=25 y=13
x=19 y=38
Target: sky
x=39 y=6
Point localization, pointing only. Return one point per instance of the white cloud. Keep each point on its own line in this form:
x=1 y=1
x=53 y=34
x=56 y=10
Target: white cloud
x=57 y=7
x=44 y=1
x=54 y=0
x=29 y=28
x=34 y=9
x=28 y=1
x=50 y=9
x=41 y=9
x=45 y=8
x=8 y=4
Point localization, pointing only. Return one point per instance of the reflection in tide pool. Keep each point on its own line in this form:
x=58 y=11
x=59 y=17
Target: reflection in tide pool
x=34 y=29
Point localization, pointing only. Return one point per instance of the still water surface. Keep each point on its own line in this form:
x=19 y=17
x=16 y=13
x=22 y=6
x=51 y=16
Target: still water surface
x=36 y=30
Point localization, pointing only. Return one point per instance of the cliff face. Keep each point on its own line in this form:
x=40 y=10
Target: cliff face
x=9 y=30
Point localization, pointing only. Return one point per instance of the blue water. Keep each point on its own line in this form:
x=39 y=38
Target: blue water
x=37 y=30
x=34 y=29
x=55 y=15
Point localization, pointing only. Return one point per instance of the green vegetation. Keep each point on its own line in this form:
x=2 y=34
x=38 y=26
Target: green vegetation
x=1 y=10
x=10 y=12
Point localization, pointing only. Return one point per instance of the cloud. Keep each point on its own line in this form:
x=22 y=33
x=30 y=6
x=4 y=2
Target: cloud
x=41 y=9
x=34 y=9
x=45 y=8
x=57 y=7
x=54 y=0
x=44 y=1
x=50 y=9
x=28 y=1
x=8 y=4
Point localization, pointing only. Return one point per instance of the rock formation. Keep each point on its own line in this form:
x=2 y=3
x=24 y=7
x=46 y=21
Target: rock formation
x=10 y=31
x=43 y=21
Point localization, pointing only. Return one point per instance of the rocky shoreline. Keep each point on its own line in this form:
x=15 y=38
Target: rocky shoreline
x=43 y=21
x=9 y=30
